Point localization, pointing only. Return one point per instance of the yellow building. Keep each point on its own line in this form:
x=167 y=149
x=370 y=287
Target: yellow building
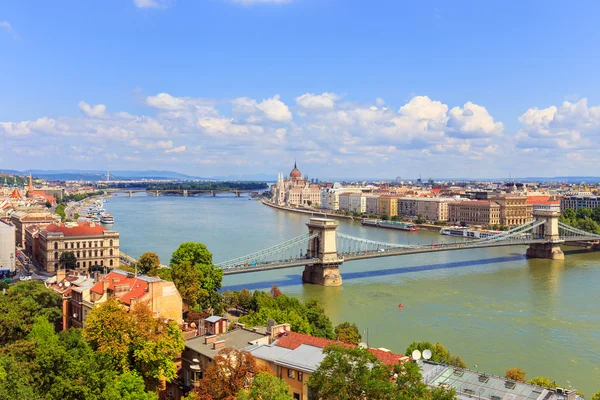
x=475 y=212
x=388 y=205
x=514 y=209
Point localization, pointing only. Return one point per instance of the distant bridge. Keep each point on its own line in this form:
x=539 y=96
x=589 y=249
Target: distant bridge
x=181 y=192
x=322 y=250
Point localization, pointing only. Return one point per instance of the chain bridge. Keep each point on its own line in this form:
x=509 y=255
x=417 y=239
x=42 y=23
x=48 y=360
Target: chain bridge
x=322 y=250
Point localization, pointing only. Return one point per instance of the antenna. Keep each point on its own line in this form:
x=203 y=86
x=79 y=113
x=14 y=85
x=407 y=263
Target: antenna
x=107 y=175
x=427 y=354
x=416 y=355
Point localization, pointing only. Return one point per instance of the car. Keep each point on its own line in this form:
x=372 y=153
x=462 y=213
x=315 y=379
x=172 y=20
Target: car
x=25 y=278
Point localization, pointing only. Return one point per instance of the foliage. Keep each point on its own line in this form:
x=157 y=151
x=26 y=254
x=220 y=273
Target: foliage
x=544 y=382
x=348 y=333
x=230 y=372
x=275 y=292
x=135 y=340
x=266 y=386
x=48 y=204
x=440 y=393
x=439 y=353
x=351 y=373
x=409 y=381
x=68 y=260
x=584 y=218
x=147 y=262
x=195 y=276
x=60 y=210
x=309 y=318
x=420 y=219
x=128 y=386
x=516 y=374
x=385 y=217
x=162 y=273
x=21 y=305
x=372 y=216
x=596 y=396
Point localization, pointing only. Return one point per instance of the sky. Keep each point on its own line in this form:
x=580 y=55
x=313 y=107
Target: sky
x=347 y=88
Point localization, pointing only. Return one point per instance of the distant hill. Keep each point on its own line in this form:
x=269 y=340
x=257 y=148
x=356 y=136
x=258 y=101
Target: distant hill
x=73 y=174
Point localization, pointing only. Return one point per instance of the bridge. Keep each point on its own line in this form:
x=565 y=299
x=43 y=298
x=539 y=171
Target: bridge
x=181 y=192
x=322 y=250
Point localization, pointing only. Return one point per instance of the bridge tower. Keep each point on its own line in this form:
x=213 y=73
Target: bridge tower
x=549 y=231
x=185 y=193
x=327 y=271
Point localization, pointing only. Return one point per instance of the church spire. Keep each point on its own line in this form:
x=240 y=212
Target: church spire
x=295 y=164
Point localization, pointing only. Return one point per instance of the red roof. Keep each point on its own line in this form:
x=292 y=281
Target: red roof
x=137 y=287
x=293 y=340
x=81 y=229
x=16 y=194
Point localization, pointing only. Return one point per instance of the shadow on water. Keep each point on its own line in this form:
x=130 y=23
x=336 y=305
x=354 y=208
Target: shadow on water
x=291 y=280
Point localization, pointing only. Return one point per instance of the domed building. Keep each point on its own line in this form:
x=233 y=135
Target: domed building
x=296 y=190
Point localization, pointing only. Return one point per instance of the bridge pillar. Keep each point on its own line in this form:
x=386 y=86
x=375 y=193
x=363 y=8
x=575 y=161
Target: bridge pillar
x=327 y=271
x=237 y=193
x=157 y=193
x=213 y=194
x=551 y=248
x=185 y=193
x=130 y=193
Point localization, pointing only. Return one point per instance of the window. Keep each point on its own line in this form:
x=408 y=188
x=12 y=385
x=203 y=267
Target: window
x=101 y=253
x=296 y=396
x=299 y=376
x=102 y=263
x=77 y=244
x=290 y=373
x=56 y=255
x=95 y=253
x=110 y=243
x=111 y=263
x=111 y=252
x=77 y=264
x=78 y=254
x=84 y=264
x=55 y=245
x=56 y=266
x=83 y=244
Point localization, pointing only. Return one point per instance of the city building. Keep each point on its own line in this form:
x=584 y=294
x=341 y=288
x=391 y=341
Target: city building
x=579 y=201
x=23 y=219
x=388 y=205
x=296 y=190
x=474 y=212
x=91 y=243
x=514 y=209
x=7 y=249
x=408 y=206
x=39 y=195
x=372 y=204
x=432 y=209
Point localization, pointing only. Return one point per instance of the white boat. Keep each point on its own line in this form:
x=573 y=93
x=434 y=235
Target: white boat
x=468 y=233
x=107 y=219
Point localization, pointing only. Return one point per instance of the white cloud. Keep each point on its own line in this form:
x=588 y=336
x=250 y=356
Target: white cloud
x=273 y=109
x=317 y=101
x=153 y=3
x=178 y=149
x=9 y=29
x=165 y=101
x=97 y=111
x=473 y=121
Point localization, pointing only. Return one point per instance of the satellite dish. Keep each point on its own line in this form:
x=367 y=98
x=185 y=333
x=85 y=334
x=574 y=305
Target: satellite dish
x=60 y=284
x=67 y=284
x=427 y=354
x=416 y=355
x=363 y=345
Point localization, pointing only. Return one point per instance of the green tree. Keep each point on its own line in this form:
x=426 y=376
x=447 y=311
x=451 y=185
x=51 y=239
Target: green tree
x=320 y=324
x=409 y=381
x=195 y=276
x=439 y=353
x=147 y=262
x=440 y=393
x=135 y=340
x=76 y=216
x=568 y=213
x=60 y=210
x=128 y=386
x=420 y=219
x=583 y=213
x=544 y=382
x=516 y=374
x=68 y=260
x=348 y=333
x=266 y=386
x=589 y=225
x=596 y=396
x=385 y=217
x=395 y=218
x=48 y=204
x=351 y=373
x=21 y=305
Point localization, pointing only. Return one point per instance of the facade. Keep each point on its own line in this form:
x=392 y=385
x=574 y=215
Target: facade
x=91 y=243
x=7 y=249
x=577 y=202
x=475 y=212
x=330 y=197
x=344 y=201
x=296 y=190
x=514 y=209
x=23 y=219
x=388 y=205
x=408 y=206
x=372 y=204
x=358 y=203
x=433 y=209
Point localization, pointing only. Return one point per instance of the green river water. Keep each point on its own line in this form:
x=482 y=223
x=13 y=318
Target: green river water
x=493 y=307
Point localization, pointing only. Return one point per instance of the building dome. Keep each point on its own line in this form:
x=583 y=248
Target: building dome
x=295 y=174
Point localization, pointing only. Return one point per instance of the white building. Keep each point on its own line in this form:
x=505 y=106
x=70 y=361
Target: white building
x=372 y=204
x=358 y=203
x=7 y=248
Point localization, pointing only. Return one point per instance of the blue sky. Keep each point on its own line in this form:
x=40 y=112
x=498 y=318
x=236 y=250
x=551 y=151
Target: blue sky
x=348 y=88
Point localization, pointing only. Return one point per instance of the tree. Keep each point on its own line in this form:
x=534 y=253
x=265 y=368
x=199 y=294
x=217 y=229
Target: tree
x=568 y=213
x=20 y=307
x=60 y=210
x=321 y=325
x=230 y=372
x=266 y=386
x=135 y=340
x=395 y=218
x=440 y=393
x=544 y=382
x=195 y=276
x=351 y=373
x=128 y=386
x=48 y=204
x=516 y=374
x=385 y=217
x=68 y=260
x=596 y=396
x=348 y=333
x=420 y=219
x=583 y=213
x=409 y=380
x=589 y=225
x=147 y=262
x=275 y=292
x=439 y=353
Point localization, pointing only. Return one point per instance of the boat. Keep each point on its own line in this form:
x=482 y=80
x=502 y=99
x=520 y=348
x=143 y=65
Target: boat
x=403 y=226
x=468 y=233
x=107 y=219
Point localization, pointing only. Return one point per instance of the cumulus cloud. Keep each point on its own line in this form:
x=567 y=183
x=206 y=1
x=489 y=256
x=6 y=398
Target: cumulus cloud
x=165 y=101
x=272 y=109
x=178 y=149
x=568 y=126
x=97 y=111
x=9 y=29
x=317 y=101
x=473 y=121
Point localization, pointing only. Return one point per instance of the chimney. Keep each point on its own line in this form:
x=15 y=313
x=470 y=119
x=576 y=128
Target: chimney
x=218 y=344
x=60 y=275
x=210 y=339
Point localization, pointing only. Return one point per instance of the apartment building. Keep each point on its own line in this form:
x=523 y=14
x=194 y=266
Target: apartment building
x=433 y=209
x=514 y=209
x=388 y=205
x=408 y=206
x=579 y=201
x=474 y=212
x=24 y=219
x=372 y=204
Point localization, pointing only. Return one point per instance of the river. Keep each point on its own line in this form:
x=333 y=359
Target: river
x=493 y=307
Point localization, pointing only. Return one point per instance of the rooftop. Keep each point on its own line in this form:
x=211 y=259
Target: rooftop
x=78 y=229
x=235 y=339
